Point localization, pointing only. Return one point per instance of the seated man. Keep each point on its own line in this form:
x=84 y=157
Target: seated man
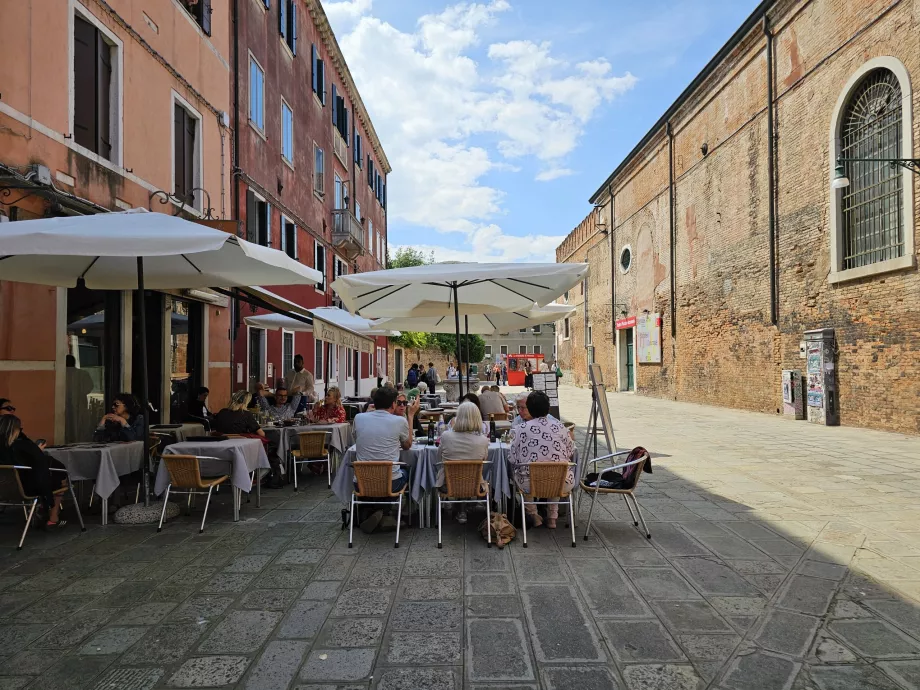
x=491 y=402
x=284 y=407
x=383 y=433
x=198 y=408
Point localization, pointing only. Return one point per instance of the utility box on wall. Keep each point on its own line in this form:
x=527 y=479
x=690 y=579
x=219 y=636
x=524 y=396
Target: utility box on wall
x=821 y=394
x=793 y=399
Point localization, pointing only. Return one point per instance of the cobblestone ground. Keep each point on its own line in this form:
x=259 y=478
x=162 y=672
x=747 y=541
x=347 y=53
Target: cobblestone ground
x=783 y=555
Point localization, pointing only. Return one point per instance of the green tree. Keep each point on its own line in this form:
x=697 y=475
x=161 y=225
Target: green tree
x=447 y=343
x=405 y=258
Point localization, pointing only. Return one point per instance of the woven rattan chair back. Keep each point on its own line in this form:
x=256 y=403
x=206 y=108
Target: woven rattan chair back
x=312 y=444
x=11 y=488
x=375 y=478
x=464 y=478
x=184 y=471
x=547 y=479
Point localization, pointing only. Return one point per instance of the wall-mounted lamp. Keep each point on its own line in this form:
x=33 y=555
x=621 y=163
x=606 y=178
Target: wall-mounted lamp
x=841 y=181
x=704 y=148
x=645 y=311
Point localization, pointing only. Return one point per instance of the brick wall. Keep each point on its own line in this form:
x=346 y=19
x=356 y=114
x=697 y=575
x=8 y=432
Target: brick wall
x=726 y=350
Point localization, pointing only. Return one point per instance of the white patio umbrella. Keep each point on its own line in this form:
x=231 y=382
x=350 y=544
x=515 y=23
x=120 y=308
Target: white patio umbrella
x=276 y=322
x=482 y=324
x=437 y=290
x=135 y=250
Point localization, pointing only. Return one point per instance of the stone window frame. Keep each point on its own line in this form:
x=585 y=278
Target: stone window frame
x=837 y=273
x=632 y=257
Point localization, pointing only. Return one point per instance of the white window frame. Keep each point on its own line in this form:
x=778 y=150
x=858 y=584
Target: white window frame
x=198 y=159
x=320 y=175
x=287 y=159
x=837 y=273
x=284 y=223
x=488 y=351
x=116 y=100
x=259 y=128
x=286 y=365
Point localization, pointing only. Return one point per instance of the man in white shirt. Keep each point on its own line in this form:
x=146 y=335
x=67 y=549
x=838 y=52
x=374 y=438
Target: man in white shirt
x=299 y=380
x=383 y=433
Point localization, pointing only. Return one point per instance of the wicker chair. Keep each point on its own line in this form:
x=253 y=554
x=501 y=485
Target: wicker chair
x=375 y=483
x=185 y=473
x=13 y=493
x=547 y=481
x=465 y=485
x=312 y=449
x=593 y=492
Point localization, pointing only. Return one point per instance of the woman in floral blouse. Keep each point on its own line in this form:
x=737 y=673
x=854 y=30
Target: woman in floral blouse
x=540 y=439
x=331 y=411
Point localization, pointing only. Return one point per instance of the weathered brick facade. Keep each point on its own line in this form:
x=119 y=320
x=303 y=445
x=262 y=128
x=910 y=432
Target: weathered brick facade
x=727 y=350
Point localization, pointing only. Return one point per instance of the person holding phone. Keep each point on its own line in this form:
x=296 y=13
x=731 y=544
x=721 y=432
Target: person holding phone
x=18 y=449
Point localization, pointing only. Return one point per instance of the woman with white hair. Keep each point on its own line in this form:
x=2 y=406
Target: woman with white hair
x=463 y=441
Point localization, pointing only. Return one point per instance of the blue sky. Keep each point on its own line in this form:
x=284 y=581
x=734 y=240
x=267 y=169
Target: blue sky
x=502 y=117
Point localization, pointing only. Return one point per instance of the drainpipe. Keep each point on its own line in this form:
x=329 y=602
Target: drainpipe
x=771 y=175
x=613 y=268
x=234 y=166
x=673 y=229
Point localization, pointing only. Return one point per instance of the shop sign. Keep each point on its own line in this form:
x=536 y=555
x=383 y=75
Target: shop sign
x=628 y=322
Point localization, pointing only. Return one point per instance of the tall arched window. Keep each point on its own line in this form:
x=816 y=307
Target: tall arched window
x=872 y=209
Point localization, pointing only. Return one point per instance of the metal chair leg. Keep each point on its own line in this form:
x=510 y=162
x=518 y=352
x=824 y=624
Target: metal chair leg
x=398 y=520
x=439 y=520
x=572 y=521
x=328 y=472
x=165 y=503
x=631 y=513
x=206 y=504
x=648 y=535
x=351 y=523
x=76 y=506
x=28 y=522
x=524 y=520
x=591 y=514
x=294 y=473
x=92 y=493
x=488 y=522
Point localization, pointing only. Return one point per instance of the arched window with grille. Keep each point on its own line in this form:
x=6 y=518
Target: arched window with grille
x=873 y=215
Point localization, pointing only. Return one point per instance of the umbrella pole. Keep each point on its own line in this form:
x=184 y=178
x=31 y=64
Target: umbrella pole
x=466 y=339
x=457 y=323
x=145 y=407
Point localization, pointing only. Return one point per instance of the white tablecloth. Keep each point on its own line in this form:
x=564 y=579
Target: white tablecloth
x=245 y=455
x=102 y=463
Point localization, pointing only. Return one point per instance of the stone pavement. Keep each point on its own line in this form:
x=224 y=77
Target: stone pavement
x=783 y=555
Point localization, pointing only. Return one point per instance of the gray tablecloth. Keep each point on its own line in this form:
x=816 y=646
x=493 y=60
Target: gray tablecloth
x=180 y=433
x=342 y=435
x=102 y=463
x=245 y=454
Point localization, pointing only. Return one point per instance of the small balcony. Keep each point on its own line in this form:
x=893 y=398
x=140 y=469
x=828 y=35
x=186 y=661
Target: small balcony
x=339 y=147
x=347 y=234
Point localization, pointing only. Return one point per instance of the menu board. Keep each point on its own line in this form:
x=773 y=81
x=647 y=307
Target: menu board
x=547 y=382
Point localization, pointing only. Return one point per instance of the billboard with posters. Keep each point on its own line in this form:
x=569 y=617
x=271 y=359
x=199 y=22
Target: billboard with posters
x=648 y=339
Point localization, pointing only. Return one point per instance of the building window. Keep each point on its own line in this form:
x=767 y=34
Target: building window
x=319 y=170
x=289 y=238
x=287 y=23
x=359 y=150
x=256 y=95
x=321 y=265
x=318 y=371
x=625 y=259
x=537 y=350
x=201 y=11
x=589 y=337
x=334 y=363
x=349 y=374
x=522 y=349
x=339 y=114
x=341 y=193
x=258 y=219
x=503 y=349
x=523 y=330
x=873 y=224
x=565 y=329
x=371 y=244
x=537 y=329
x=287 y=352
x=488 y=351
x=358 y=211
x=566 y=297
x=186 y=160
x=287 y=133
x=95 y=107
x=319 y=75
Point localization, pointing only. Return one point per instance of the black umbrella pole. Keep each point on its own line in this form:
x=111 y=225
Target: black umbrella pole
x=457 y=323
x=466 y=339
x=145 y=407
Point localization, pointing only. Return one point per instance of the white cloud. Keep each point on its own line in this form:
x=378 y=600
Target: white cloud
x=448 y=119
x=489 y=243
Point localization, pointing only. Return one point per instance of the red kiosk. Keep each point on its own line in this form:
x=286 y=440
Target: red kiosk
x=516 y=365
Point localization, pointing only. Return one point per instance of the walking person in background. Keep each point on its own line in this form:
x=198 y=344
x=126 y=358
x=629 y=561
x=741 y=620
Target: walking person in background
x=504 y=374
x=433 y=377
x=412 y=376
x=528 y=375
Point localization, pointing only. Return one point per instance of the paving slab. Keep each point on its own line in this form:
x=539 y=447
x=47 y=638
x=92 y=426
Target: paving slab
x=209 y=672
x=807 y=595
x=277 y=665
x=760 y=671
x=691 y=616
x=787 y=632
x=363 y=602
x=712 y=576
x=304 y=619
x=409 y=648
x=637 y=641
x=112 y=640
x=240 y=631
x=874 y=638
x=859 y=676
x=578 y=678
x=493 y=607
x=351 y=632
x=74 y=672
x=661 y=583
x=431 y=589
x=490 y=583
x=128 y=678
x=338 y=664
x=709 y=647
x=423 y=616
x=200 y=609
x=606 y=590
x=417 y=678
x=656 y=676
x=561 y=629
x=497 y=650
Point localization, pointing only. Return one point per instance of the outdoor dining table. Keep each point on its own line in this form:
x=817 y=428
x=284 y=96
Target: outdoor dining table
x=178 y=433
x=339 y=437
x=245 y=455
x=102 y=463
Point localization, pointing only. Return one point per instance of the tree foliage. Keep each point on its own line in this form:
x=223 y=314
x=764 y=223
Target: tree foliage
x=447 y=343
x=407 y=257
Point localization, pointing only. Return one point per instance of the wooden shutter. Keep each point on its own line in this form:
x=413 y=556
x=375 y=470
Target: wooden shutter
x=268 y=224
x=103 y=97
x=282 y=18
x=84 y=69
x=205 y=9
x=335 y=107
x=179 y=151
x=384 y=201
x=315 y=69
x=322 y=81
x=293 y=28
x=370 y=172
x=344 y=122
x=252 y=217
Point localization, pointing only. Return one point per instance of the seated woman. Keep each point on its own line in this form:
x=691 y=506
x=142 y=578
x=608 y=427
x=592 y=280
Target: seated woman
x=331 y=411
x=463 y=441
x=402 y=408
x=236 y=419
x=124 y=423
x=540 y=439
x=472 y=398
x=18 y=449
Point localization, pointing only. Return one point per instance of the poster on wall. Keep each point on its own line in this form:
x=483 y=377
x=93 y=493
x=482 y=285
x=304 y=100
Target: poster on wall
x=815 y=375
x=648 y=339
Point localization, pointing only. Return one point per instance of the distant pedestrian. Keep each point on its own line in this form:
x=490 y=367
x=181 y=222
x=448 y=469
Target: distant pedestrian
x=504 y=374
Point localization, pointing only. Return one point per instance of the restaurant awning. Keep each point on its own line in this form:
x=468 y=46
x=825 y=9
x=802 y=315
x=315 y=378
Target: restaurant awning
x=329 y=325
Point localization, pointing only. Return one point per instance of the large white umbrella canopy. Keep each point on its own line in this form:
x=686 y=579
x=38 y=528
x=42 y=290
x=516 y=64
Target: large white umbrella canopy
x=352 y=322
x=277 y=322
x=482 y=324
x=103 y=250
x=455 y=288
